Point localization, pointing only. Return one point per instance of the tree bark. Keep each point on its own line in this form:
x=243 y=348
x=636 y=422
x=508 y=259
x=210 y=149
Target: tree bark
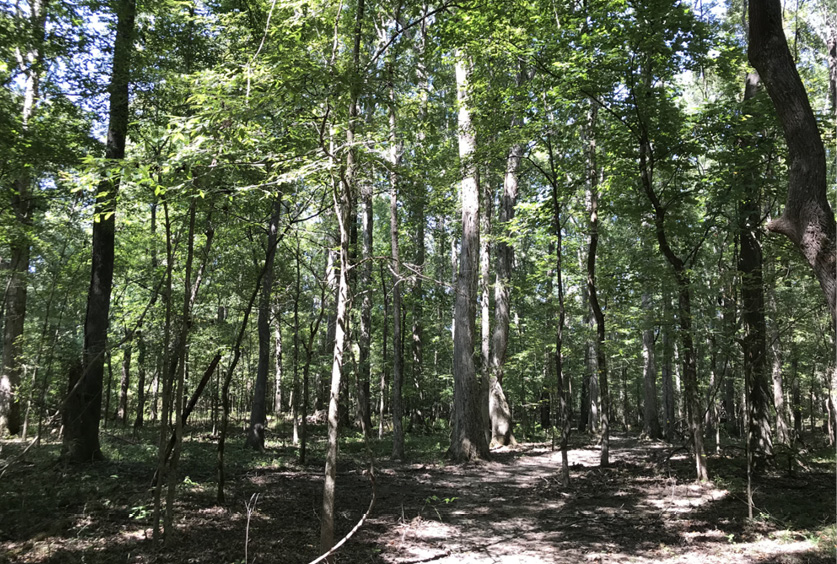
x=592 y=291
x=808 y=220
x=467 y=427
x=11 y=369
x=365 y=337
x=754 y=344
x=124 y=384
x=498 y=408
x=394 y=157
x=650 y=421
x=258 y=411
x=684 y=306
x=343 y=198
x=81 y=432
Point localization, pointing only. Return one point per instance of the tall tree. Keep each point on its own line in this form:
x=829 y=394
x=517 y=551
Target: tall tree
x=83 y=406
x=750 y=266
x=343 y=205
x=498 y=407
x=808 y=219
x=468 y=440
x=592 y=290
x=31 y=61
x=258 y=410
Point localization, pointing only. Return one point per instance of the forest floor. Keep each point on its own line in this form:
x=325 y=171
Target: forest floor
x=643 y=508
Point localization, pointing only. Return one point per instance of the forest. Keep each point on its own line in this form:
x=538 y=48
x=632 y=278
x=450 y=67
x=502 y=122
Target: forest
x=402 y=281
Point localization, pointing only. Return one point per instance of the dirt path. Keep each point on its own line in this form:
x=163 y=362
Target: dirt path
x=513 y=510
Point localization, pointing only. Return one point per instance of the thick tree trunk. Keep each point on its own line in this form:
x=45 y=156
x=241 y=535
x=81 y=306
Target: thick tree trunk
x=650 y=421
x=498 y=407
x=258 y=411
x=808 y=220
x=81 y=432
x=467 y=427
x=754 y=344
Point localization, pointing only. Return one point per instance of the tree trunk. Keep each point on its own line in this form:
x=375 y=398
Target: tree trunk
x=258 y=411
x=365 y=338
x=650 y=422
x=498 y=407
x=782 y=431
x=19 y=247
x=277 y=362
x=138 y=420
x=694 y=413
x=81 y=433
x=419 y=221
x=808 y=220
x=342 y=210
x=397 y=321
x=484 y=370
x=668 y=382
x=750 y=266
x=382 y=385
x=592 y=291
x=124 y=384
x=467 y=435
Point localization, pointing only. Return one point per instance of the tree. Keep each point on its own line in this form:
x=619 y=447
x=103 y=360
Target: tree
x=258 y=412
x=468 y=440
x=83 y=404
x=15 y=292
x=807 y=220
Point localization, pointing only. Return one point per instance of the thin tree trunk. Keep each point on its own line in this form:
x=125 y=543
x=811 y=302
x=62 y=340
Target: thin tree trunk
x=650 y=422
x=467 y=435
x=124 y=384
x=258 y=411
x=668 y=382
x=140 y=337
x=342 y=210
x=592 y=291
x=295 y=403
x=14 y=317
x=419 y=221
x=277 y=362
x=394 y=157
x=179 y=388
x=385 y=368
x=365 y=337
x=681 y=273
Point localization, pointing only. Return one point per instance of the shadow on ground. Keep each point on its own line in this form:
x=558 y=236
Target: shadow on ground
x=642 y=508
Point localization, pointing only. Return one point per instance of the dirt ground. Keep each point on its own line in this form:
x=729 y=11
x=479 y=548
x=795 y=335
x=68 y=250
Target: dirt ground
x=643 y=508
